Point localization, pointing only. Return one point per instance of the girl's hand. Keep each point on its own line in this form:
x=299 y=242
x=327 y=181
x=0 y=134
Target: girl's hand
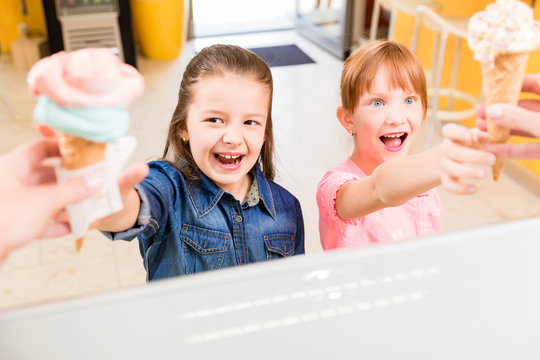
x=125 y=218
x=126 y=182
x=129 y=178
x=462 y=156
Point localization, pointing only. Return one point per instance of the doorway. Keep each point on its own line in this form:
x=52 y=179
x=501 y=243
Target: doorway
x=218 y=17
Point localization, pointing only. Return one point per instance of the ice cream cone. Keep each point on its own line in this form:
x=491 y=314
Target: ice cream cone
x=79 y=243
x=83 y=96
x=502 y=84
x=77 y=153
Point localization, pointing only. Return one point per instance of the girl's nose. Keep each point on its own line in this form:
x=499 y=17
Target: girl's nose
x=232 y=135
x=395 y=116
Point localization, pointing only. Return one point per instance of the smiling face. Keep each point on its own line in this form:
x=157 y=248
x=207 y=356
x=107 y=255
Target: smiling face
x=385 y=120
x=226 y=124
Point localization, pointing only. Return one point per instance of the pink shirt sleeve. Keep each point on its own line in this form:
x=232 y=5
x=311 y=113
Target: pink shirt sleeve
x=331 y=226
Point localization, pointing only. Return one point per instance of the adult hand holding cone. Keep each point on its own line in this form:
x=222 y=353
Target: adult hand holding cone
x=501 y=37
x=502 y=84
x=83 y=95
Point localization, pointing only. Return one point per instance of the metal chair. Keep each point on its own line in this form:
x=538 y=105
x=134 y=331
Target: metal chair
x=443 y=27
x=395 y=6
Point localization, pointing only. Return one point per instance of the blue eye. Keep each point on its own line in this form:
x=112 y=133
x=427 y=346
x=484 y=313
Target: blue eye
x=377 y=102
x=409 y=100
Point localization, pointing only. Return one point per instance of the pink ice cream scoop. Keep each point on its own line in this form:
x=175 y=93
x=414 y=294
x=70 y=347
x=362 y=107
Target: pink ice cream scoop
x=83 y=95
x=85 y=78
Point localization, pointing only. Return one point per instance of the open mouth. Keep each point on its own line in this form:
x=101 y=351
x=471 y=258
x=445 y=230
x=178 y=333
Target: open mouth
x=228 y=160
x=395 y=141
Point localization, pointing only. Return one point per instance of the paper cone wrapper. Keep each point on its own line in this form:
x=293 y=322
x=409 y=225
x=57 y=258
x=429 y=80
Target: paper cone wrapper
x=502 y=84
x=107 y=200
x=77 y=153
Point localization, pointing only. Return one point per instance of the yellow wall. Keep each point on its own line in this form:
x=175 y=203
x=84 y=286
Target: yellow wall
x=469 y=78
x=11 y=16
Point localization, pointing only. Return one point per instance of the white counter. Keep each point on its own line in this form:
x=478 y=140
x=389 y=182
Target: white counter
x=472 y=294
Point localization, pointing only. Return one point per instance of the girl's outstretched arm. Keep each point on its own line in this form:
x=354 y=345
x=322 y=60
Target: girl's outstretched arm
x=127 y=217
x=392 y=183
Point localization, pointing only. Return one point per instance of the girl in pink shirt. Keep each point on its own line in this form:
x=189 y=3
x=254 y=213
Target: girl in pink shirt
x=381 y=193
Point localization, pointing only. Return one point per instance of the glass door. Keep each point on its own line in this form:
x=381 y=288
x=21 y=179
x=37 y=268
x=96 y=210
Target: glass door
x=218 y=17
x=336 y=25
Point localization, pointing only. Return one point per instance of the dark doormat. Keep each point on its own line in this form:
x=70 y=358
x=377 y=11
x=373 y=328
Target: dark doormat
x=283 y=55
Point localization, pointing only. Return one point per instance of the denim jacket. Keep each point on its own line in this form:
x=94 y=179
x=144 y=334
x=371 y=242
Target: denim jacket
x=186 y=226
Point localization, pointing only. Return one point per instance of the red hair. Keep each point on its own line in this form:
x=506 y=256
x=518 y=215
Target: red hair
x=362 y=65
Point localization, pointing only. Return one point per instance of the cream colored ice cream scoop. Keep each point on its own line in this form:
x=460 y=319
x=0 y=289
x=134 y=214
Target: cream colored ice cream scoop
x=501 y=38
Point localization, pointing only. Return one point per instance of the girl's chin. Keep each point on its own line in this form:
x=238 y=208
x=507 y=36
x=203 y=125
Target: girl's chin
x=388 y=155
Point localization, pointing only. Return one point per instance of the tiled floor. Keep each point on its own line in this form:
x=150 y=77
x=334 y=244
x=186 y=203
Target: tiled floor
x=309 y=140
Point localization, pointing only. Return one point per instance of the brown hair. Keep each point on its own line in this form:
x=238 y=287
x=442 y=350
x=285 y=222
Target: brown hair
x=362 y=65
x=217 y=60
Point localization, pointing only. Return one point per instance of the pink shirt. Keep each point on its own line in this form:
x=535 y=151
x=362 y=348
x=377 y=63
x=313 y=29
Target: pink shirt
x=418 y=217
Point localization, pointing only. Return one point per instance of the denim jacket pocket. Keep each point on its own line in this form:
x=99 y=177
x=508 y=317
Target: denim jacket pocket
x=279 y=245
x=204 y=249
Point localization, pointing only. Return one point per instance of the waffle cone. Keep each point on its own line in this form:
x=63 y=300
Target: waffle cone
x=77 y=153
x=502 y=84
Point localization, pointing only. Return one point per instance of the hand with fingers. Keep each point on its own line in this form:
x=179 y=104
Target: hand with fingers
x=127 y=217
x=31 y=199
x=463 y=158
x=33 y=203
x=523 y=120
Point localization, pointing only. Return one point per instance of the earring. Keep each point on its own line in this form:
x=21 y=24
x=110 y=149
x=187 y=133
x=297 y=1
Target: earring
x=185 y=140
x=353 y=132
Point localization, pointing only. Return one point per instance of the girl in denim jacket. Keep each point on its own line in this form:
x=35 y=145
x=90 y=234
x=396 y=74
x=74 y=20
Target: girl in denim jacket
x=211 y=202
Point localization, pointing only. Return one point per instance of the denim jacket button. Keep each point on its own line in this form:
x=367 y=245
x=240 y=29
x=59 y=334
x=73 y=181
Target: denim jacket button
x=238 y=218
